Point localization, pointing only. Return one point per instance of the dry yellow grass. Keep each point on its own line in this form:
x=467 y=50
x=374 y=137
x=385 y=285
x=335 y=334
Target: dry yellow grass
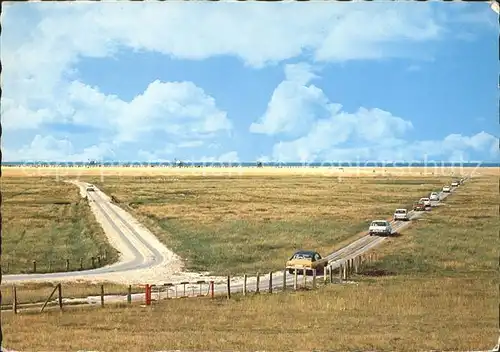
x=47 y=221
x=441 y=294
x=245 y=224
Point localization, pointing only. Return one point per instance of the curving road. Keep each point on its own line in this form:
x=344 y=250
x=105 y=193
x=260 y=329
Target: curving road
x=137 y=251
x=144 y=254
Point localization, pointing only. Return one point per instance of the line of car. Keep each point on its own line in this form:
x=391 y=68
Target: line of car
x=309 y=259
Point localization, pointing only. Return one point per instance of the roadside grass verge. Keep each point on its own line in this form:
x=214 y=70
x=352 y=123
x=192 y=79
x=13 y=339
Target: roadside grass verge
x=441 y=295
x=47 y=221
x=245 y=224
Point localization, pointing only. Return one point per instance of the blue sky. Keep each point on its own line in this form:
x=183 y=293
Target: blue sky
x=250 y=81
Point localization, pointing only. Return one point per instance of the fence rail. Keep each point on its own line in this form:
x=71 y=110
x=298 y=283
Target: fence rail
x=337 y=272
x=48 y=266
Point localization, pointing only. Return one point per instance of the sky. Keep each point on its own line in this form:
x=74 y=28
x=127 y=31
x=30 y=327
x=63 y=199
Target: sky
x=242 y=82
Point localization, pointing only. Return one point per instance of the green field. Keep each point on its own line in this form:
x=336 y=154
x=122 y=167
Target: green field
x=48 y=222
x=433 y=288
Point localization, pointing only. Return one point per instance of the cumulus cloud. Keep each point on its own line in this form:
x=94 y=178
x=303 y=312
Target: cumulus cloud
x=40 y=87
x=330 y=134
x=294 y=104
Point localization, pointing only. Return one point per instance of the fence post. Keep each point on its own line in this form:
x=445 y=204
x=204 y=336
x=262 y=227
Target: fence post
x=245 y=285
x=129 y=294
x=102 y=295
x=14 y=299
x=284 y=280
x=270 y=282
x=314 y=279
x=146 y=295
x=67 y=264
x=257 y=289
x=228 y=287
x=295 y=280
x=81 y=263
x=212 y=284
x=34 y=266
x=59 y=293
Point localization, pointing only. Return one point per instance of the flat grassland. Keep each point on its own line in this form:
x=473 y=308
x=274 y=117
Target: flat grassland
x=47 y=221
x=244 y=224
x=439 y=290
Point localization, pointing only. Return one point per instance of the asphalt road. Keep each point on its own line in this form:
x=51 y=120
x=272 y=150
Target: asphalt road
x=146 y=255
x=335 y=259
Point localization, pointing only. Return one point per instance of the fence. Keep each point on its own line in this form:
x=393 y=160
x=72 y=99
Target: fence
x=338 y=272
x=42 y=267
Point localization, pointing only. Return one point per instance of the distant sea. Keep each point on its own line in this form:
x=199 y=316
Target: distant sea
x=430 y=163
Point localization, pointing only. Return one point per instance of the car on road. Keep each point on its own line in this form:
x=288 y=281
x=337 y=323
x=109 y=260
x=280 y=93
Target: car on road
x=401 y=214
x=454 y=184
x=419 y=206
x=447 y=189
x=434 y=196
x=90 y=189
x=380 y=227
x=302 y=260
x=426 y=201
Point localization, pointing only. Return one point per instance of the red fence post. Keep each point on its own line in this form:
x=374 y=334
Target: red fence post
x=148 y=294
x=211 y=289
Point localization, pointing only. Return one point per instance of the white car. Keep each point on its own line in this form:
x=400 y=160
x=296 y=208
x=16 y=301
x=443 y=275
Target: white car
x=380 y=227
x=447 y=189
x=426 y=201
x=454 y=184
x=434 y=196
x=401 y=214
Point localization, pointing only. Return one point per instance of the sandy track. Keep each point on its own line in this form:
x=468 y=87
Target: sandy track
x=335 y=259
x=143 y=258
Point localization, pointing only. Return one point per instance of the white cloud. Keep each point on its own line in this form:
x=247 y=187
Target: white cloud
x=39 y=59
x=48 y=148
x=377 y=134
x=294 y=105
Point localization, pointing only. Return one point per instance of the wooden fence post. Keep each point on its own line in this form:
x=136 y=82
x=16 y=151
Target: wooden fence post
x=67 y=264
x=245 y=285
x=257 y=289
x=284 y=280
x=314 y=279
x=34 y=266
x=102 y=295
x=270 y=282
x=14 y=299
x=59 y=293
x=228 y=287
x=129 y=294
x=212 y=284
x=295 y=280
